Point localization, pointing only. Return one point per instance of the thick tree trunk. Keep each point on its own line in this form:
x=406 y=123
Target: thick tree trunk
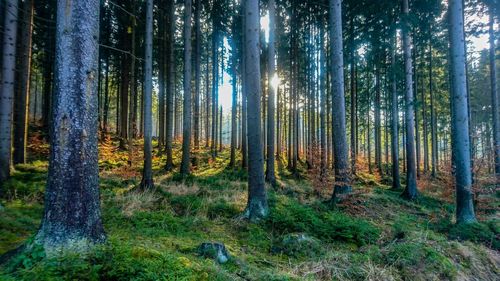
x=7 y=87
x=410 y=191
x=21 y=104
x=494 y=99
x=342 y=175
x=72 y=217
x=147 y=173
x=270 y=173
x=460 y=117
x=257 y=206
x=186 y=127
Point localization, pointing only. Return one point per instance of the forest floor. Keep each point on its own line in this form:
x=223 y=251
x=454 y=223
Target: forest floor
x=154 y=235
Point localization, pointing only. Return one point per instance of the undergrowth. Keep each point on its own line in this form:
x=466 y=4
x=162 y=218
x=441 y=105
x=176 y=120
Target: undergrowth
x=154 y=235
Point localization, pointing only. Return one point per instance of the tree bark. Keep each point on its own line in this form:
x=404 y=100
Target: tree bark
x=21 y=104
x=342 y=175
x=410 y=191
x=396 y=183
x=186 y=126
x=7 y=87
x=197 y=66
x=72 y=217
x=147 y=173
x=170 y=85
x=494 y=99
x=270 y=173
x=460 y=117
x=257 y=206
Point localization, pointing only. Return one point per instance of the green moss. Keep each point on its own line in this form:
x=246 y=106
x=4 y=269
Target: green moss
x=288 y=216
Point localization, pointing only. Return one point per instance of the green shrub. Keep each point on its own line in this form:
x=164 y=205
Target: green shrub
x=221 y=208
x=186 y=205
x=290 y=216
x=476 y=232
x=412 y=257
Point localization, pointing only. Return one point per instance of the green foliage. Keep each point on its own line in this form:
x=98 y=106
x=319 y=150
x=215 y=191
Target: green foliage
x=418 y=257
x=288 y=216
x=221 y=208
x=187 y=204
x=486 y=233
x=479 y=232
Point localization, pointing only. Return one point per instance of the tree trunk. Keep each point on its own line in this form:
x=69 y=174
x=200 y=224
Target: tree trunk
x=234 y=105
x=147 y=173
x=270 y=173
x=131 y=117
x=170 y=84
x=323 y=112
x=460 y=117
x=72 y=216
x=410 y=191
x=186 y=127
x=21 y=103
x=197 y=66
x=494 y=99
x=434 y=151
x=257 y=207
x=342 y=175
x=7 y=87
x=394 y=120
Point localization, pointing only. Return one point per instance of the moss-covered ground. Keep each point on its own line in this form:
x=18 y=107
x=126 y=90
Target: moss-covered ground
x=373 y=235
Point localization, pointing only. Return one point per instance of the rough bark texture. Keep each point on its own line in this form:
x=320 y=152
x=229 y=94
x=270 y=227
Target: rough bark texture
x=21 y=105
x=342 y=176
x=410 y=191
x=147 y=173
x=72 y=217
x=460 y=118
x=7 y=87
x=186 y=126
x=257 y=199
x=270 y=173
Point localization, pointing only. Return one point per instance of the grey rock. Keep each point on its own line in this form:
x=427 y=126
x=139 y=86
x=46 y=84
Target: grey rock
x=214 y=250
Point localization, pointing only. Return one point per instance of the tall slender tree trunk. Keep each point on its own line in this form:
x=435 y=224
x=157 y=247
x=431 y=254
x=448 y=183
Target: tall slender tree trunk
x=186 y=126
x=234 y=105
x=460 y=118
x=434 y=151
x=147 y=173
x=270 y=173
x=410 y=191
x=72 y=216
x=21 y=104
x=244 y=121
x=197 y=66
x=342 y=176
x=257 y=206
x=494 y=98
x=394 y=120
x=7 y=87
x=323 y=113
x=131 y=113
x=162 y=30
x=170 y=84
